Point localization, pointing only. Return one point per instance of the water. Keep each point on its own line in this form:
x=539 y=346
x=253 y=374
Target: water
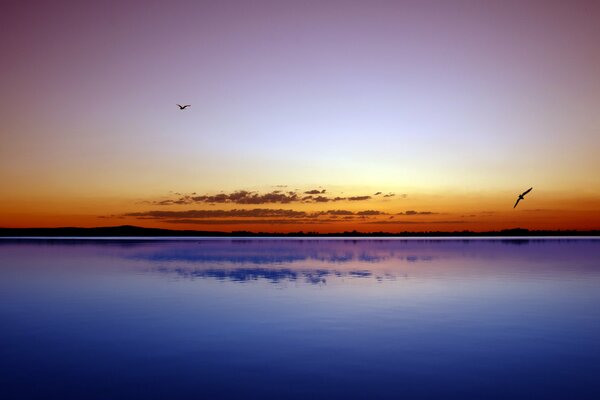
x=299 y=319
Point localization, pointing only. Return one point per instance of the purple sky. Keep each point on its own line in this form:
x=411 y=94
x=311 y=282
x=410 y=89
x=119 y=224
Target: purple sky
x=411 y=97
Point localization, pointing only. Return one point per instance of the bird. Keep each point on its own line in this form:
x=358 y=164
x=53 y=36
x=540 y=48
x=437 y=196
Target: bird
x=522 y=196
x=183 y=107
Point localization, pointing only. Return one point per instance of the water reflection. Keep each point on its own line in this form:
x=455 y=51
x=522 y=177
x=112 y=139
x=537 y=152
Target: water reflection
x=273 y=275
x=314 y=261
x=319 y=319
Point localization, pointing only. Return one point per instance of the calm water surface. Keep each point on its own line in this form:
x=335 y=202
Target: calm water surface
x=301 y=319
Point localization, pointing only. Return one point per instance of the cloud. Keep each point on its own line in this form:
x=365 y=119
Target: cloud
x=338 y=212
x=377 y=194
x=237 y=197
x=266 y=215
x=253 y=213
x=370 y=212
x=250 y=197
x=321 y=199
x=251 y=221
x=359 y=198
x=170 y=202
x=390 y=195
x=280 y=221
x=315 y=191
x=413 y=212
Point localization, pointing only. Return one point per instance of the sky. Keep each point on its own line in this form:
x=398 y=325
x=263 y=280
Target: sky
x=393 y=115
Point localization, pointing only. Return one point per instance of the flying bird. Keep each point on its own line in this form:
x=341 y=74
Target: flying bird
x=183 y=107
x=522 y=196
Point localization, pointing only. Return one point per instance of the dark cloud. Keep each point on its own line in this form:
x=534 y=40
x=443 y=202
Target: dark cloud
x=237 y=197
x=377 y=194
x=391 y=195
x=370 y=212
x=321 y=199
x=228 y=216
x=339 y=212
x=413 y=212
x=170 y=202
x=249 y=197
x=359 y=198
x=280 y=221
x=253 y=213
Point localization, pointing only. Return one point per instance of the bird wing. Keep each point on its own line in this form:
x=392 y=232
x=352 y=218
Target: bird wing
x=187 y=105
x=527 y=191
x=178 y=105
x=518 y=200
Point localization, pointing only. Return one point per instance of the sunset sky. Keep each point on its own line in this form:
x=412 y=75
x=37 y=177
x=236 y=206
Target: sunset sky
x=306 y=115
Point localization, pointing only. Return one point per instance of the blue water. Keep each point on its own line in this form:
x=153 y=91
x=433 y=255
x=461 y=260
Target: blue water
x=300 y=319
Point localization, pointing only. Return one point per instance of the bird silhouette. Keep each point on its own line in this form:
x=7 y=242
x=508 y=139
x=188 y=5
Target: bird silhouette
x=183 y=107
x=522 y=196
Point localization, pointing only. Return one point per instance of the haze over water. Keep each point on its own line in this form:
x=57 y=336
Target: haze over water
x=224 y=319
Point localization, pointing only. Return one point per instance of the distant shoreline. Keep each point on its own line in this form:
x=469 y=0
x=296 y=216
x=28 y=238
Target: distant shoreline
x=128 y=231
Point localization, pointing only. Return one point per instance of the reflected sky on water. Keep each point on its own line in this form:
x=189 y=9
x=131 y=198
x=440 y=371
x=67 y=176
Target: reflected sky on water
x=300 y=318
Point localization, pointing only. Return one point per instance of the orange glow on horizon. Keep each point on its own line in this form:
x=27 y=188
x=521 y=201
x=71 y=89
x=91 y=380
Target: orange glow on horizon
x=416 y=213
